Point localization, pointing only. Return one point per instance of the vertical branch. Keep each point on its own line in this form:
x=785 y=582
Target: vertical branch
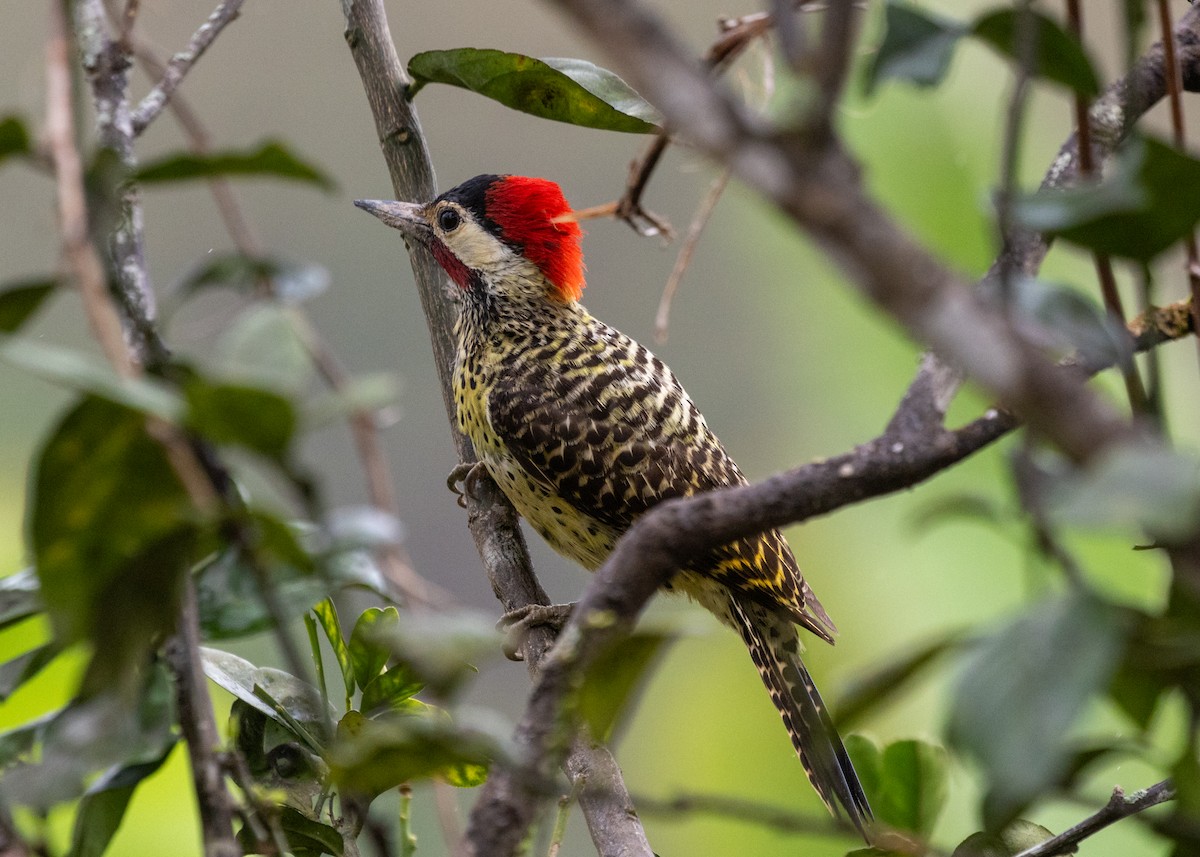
x=615 y=828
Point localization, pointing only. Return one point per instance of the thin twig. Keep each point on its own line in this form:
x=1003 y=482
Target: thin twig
x=82 y=257
x=1118 y=807
x=684 y=259
x=182 y=63
x=1174 y=78
x=1134 y=389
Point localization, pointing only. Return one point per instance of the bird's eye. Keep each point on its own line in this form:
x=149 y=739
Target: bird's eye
x=448 y=219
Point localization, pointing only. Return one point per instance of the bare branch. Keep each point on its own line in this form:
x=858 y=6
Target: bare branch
x=149 y=108
x=1118 y=807
x=663 y=319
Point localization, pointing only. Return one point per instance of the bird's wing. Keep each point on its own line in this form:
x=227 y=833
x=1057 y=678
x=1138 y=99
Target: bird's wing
x=617 y=434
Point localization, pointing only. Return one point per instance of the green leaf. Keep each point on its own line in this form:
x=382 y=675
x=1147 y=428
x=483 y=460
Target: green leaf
x=103 y=806
x=113 y=533
x=390 y=690
x=873 y=689
x=440 y=649
x=290 y=282
x=363 y=393
x=84 y=372
x=372 y=756
x=1147 y=202
x=326 y=614
x=262 y=349
x=565 y=90
x=18 y=741
x=296 y=702
x=1149 y=488
x=230 y=600
x=368 y=657
x=1023 y=689
x=20 y=300
x=465 y=775
x=14 y=138
x=1057 y=55
x=20 y=597
x=271 y=159
x=612 y=679
x=302 y=832
x=23 y=667
x=1015 y=838
x=917 y=47
x=906 y=782
x=1072 y=321
x=237 y=415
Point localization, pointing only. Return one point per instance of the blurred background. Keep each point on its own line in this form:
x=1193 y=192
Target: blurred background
x=785 y=361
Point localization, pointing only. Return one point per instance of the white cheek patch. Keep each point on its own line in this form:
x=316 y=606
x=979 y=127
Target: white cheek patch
x=479 y=250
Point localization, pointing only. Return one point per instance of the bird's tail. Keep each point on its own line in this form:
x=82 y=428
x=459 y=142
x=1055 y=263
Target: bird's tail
x=775 y=647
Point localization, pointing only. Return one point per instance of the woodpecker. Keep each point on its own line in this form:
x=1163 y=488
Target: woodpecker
x=583 y=429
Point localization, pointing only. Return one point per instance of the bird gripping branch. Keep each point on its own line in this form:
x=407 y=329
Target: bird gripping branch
x=584 y=430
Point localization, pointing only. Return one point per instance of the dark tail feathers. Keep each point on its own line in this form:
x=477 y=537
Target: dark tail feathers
x=775 y=647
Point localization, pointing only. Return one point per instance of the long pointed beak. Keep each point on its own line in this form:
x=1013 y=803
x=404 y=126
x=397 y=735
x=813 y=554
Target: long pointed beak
x=405 y=216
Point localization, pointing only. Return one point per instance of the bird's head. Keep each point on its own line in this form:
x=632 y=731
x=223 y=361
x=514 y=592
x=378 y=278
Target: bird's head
x=496 y=230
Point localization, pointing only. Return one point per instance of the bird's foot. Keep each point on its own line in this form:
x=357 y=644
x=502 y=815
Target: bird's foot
x=467 y=474
x=516 y=625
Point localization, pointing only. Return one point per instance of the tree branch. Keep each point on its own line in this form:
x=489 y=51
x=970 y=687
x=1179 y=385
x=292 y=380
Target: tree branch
x=604 y=799
x=149 y=108
x=1119 y=806
x=815 y=182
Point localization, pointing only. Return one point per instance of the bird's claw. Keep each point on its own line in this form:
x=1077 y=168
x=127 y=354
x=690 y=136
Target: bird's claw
x=516 y=624
x=468 y=474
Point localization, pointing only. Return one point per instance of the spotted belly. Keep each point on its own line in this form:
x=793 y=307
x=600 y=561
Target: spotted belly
x=573 y=534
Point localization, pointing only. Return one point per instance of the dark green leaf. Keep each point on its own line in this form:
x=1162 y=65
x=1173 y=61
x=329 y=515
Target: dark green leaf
x=1023 y=689
x=372 y=756
x=611 y=682
x=16 y=742
x=289 y=282
x=79 y=371
x=236 y=415
x=113 y=534
x=14 y=138
x=20 y=597
x=368 y=657
x=871 y=690
x=1015 y=838
x=917 y=46
x=1148 y=201
x=1152 y=489
x=103 y=806
x=302 y=832
x=22 y=668
x=230 y=599
x=1057 y=55
x=327 y=615
x=1072 y=322
x=19 y=301
x=271 y=159
x=566 y=90
x=390 y=690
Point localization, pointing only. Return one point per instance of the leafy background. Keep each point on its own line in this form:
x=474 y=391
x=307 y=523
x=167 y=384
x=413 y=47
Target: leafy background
x=786 y=364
